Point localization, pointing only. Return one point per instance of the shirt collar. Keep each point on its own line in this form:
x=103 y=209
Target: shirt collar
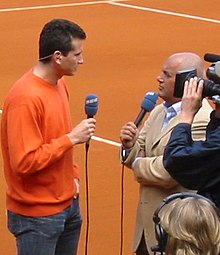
x=176 y=106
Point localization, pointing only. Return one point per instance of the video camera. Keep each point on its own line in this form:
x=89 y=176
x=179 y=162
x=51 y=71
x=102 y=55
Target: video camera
x=211 y=87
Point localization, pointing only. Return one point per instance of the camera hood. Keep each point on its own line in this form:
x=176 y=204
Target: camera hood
x=181 y=77
x=213 y=72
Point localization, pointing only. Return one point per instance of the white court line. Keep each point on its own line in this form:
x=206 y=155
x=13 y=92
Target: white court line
x=167 y=12
x=99 y=139
x=113 y=2
x=59 y=5
x=68 y=5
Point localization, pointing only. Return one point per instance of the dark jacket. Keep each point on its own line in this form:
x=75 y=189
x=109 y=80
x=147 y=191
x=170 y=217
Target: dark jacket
x=195 y=164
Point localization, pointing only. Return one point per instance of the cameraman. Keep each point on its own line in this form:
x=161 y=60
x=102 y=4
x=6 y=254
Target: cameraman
x=195 y=164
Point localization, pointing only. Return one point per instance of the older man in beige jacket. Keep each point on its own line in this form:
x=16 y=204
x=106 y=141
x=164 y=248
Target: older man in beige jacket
x=144 y=149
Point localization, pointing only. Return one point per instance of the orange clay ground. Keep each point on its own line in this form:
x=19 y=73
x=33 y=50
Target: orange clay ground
x=123 y=55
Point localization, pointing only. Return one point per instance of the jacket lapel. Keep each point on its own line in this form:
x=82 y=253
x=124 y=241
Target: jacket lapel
x=158 y=122
x=166 y=130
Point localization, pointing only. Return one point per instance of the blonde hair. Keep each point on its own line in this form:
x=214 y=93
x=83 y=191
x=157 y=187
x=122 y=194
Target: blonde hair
x=193 y=227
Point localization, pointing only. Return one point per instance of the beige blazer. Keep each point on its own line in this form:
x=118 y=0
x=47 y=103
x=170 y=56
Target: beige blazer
x=155 y=182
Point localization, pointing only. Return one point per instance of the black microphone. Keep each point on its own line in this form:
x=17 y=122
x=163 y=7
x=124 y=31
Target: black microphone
x=91 y=108
x=209 y=57
x=147 y=105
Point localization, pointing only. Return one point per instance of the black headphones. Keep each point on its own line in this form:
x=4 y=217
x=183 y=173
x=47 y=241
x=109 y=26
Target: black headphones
x=160 y=233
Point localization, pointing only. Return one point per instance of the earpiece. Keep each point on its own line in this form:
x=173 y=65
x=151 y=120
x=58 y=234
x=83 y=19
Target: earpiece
x=160 y=233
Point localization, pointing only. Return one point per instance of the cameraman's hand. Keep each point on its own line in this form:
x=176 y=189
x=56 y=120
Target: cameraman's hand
x=192 y=99
x=128 y=135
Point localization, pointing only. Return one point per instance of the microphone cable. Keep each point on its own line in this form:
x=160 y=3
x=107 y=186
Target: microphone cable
x=122 y=210
x=87 y=198
x=91 y=107
x=146 y=106
x=87 y=204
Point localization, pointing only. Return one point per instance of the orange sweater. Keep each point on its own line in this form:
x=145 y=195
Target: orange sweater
x=38 y=155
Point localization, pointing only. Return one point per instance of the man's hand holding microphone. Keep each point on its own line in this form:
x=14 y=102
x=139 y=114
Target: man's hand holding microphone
x=129 y=132
x=83 y=132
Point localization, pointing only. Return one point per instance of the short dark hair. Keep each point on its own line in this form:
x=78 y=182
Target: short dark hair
x=57 y=35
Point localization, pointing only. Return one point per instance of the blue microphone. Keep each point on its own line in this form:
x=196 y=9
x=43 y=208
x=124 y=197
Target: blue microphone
x=91 y=105
x=91 y=108
x=147 y=105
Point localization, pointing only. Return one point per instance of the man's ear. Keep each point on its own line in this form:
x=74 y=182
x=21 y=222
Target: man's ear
x=57 y=55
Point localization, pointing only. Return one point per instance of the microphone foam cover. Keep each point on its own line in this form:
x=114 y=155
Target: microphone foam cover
x=91 y=105
x=149 y=101
x=210 y=57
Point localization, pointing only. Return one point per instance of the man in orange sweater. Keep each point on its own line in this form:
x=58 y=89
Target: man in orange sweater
x=37 y=146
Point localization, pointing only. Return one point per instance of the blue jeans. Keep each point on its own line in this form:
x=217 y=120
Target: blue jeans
x=57 y=234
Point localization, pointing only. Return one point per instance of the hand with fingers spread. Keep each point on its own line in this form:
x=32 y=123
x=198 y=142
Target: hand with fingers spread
x=192 y=99
x=83 y=131
x=128 y=135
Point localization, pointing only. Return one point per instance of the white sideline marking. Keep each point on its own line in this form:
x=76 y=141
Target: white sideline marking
x=105 y=141
x=117 y=3
x=167 y=12
x=99 y=139
x=58 y=5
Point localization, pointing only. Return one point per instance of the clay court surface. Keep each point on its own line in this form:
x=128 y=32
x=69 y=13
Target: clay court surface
x=127 y=44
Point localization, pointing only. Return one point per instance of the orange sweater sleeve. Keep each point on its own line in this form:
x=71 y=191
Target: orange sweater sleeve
x=29 y=150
